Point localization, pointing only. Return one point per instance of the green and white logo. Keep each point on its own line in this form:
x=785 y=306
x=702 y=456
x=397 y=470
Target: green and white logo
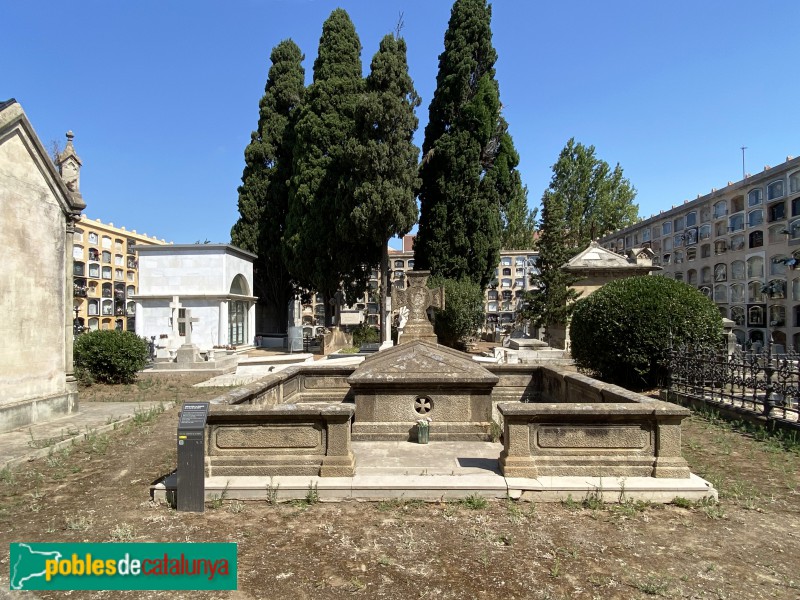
x=129 y=566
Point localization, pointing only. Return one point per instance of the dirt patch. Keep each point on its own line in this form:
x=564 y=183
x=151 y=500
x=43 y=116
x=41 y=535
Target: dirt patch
x=746 y=546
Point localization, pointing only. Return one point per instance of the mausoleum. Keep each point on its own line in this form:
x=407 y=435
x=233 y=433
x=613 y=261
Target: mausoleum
x=200 y=290
x=37 y=381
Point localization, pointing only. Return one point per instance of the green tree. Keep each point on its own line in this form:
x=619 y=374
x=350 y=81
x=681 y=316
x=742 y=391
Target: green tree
x=384 y=159
x=623 y=331
x=584 y=200
x=519 y=222
x=551 y=300
x=469 y=161
x=264 y=194
x=317 y=240
x=463 y=313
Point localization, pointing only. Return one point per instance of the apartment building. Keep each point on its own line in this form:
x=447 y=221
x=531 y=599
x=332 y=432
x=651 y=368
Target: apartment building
x=739 y=245
x=502 y=299
x=105 y=269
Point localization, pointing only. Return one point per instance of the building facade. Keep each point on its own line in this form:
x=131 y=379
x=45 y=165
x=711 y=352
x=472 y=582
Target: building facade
x=739 y=246
x=40 y=207
x=105 y=271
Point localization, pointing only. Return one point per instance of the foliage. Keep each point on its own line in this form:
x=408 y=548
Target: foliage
x=318 y=241
x=584 y=200
x=623 y=331
x=384 y=157
x=365 y=334
x=519 y=222
x=468 y=172
x=597 y=199
x=463 y=313
x=111 y=356
x=264 y=195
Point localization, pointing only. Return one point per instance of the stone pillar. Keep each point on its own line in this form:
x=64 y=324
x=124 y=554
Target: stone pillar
x=223 y=323
x=139 y=316
x=516 y=459
x=669 y=463
x=339 y=460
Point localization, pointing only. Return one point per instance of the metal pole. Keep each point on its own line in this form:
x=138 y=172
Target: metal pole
x=744 y=176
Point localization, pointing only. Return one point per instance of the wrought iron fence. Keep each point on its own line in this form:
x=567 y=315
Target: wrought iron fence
x=761 y=382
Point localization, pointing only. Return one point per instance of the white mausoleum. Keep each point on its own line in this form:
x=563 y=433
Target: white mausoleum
x=205 y=287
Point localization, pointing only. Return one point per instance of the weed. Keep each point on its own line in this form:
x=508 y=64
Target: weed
x=682 y=502
x=218 y=500
x=711 y=508
x=356 y=585
x=385 y=561
x=236 y=507
x=312 y=495
x=122 y=532
x=652 y=586
x=594 y=499
x=272 y=492
x=98 y=442
x=474 y=502
x=78 y=523
x=143 y=417
x=7 y=476
x=570 y=503
x=496 y=431
x=555 y=570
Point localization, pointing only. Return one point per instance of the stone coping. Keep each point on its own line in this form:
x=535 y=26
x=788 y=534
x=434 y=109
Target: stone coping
x=236 y=412
x=652 y=407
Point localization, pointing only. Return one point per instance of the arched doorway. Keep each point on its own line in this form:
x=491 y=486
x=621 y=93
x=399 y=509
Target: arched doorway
x=237 y=312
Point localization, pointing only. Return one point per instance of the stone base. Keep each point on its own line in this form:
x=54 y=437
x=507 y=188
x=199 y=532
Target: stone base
x=407 y=432
x=593 y=466
x=188 y=353
x=37 y=410
x=281 y=465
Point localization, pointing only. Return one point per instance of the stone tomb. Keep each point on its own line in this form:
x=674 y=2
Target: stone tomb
x=397 y=387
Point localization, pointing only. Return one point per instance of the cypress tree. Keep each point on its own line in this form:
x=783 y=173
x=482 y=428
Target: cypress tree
x=384 y=159
x=263 y=195
x=469 y=161
x=317 y=238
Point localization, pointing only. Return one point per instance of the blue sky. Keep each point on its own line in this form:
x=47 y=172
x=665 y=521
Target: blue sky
x=162 y=95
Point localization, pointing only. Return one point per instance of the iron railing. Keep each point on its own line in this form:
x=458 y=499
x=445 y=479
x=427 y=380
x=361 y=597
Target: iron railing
x=760 y=382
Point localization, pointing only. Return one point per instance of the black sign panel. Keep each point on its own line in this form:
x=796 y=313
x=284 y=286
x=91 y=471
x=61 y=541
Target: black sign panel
x=193 y=415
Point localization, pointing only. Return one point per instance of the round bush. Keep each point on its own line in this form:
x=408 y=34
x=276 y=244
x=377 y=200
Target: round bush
x=623 y=331
x=110 y=356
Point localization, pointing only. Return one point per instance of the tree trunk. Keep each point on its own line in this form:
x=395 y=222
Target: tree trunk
x=386 y=333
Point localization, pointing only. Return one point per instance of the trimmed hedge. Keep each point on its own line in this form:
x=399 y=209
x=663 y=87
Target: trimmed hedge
x=110 y=356
x=623 y=331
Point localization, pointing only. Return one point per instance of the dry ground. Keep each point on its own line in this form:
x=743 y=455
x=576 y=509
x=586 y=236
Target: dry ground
x=747 y=546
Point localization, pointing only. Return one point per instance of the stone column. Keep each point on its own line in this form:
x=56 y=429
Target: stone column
x=223 y=322
x=139 y=316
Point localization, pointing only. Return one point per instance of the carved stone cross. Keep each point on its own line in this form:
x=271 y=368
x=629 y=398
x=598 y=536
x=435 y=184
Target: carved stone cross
x=174 y=313
x=188 y=320
x=417 y=297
